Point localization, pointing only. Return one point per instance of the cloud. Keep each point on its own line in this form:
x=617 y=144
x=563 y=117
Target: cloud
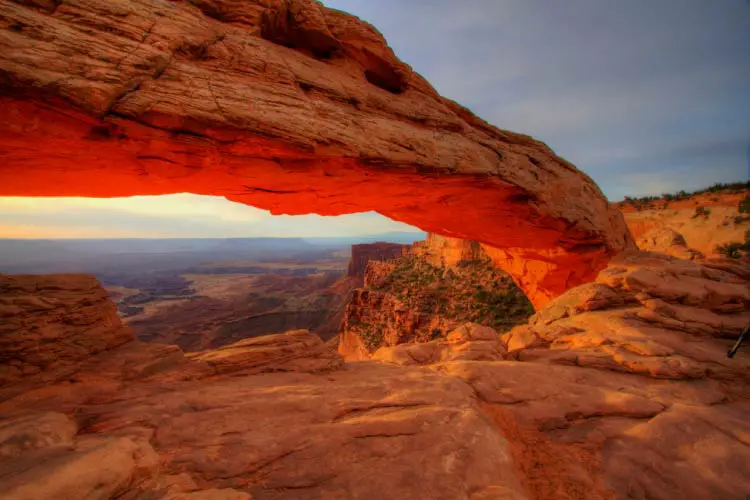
x=600 y=82
x=177 y=206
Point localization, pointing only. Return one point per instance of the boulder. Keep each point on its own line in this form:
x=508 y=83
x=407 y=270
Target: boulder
x=667 y=241
x=55 y=321
x=297 y=350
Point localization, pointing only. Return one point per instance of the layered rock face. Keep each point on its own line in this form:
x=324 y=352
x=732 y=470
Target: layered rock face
x=50 y=322
x=367 y=252
x=288 y=106
x=424 y=294
x=443 y=251
x=647 y=313
x=702 y=221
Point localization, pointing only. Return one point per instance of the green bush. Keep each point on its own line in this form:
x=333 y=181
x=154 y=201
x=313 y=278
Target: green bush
x=733 y=250
x=701 y=212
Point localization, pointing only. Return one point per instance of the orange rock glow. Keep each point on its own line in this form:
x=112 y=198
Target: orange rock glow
x=301 y=111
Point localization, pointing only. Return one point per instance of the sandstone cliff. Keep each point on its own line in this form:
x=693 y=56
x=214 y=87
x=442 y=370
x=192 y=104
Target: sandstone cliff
x=367 y=252
x=442 y=251
x=422 y=295
x=703 y=221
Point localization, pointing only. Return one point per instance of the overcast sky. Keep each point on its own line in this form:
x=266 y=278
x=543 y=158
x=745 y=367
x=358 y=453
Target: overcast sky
x=646 y=96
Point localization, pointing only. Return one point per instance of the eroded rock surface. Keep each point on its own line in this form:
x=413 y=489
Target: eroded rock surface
x=48 y=322
x=652 y=314
x=565 y=414
x=357 y=431
x=669 y=242
x=364 y=253
x=297 y=350
x=288 y=106
x=468 y=342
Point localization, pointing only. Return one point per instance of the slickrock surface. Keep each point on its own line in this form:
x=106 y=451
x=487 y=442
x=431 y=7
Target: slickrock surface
x=644 y=406
x=647 y=313
x=421 y=296
x=720 y=223
x=48 y=322
x=297 y=350
x=368 y=431
x=284 y=105
x=669 y=242
x=367 y=252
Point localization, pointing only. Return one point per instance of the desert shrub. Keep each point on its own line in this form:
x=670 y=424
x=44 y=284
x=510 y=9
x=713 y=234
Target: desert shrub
x=371 y=337
x=744 y=205
x=701 y=212
x=733 y=250
x=645 y=201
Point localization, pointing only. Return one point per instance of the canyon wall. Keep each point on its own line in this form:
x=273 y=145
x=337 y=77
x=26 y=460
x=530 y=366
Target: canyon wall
x=422 y=295
x=447 y=252
x=364 y=253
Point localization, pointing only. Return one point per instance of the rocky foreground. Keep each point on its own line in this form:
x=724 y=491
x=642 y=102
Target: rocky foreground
x=618 y=389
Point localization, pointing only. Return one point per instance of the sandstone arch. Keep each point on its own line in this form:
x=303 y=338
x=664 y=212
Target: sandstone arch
x=288 y=106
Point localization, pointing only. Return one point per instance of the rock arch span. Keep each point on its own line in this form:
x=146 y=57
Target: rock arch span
x=288 y=106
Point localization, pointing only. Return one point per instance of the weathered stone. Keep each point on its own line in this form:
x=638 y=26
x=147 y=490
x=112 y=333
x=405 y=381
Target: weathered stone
x=651 y=314
x=469 y=342
x=50 y=322
x=297 y=350
x=94 y=468
x=669 y=242
x=31 y=432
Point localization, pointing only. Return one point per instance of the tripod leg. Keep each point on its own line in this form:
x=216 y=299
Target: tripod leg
x=739 y=342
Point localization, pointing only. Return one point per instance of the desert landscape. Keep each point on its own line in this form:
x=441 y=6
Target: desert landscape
x=508 y=333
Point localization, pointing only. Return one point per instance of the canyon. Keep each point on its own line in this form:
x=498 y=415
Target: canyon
x=527 y=350
x=619 y=388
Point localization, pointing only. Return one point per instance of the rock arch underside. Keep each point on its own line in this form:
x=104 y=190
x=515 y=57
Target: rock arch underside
x=288 y=106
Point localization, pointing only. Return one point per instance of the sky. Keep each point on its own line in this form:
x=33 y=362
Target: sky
x=646 y=96
x=172 y=216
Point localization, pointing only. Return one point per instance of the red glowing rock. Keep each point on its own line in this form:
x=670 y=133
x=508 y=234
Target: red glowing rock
x=287 y=106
